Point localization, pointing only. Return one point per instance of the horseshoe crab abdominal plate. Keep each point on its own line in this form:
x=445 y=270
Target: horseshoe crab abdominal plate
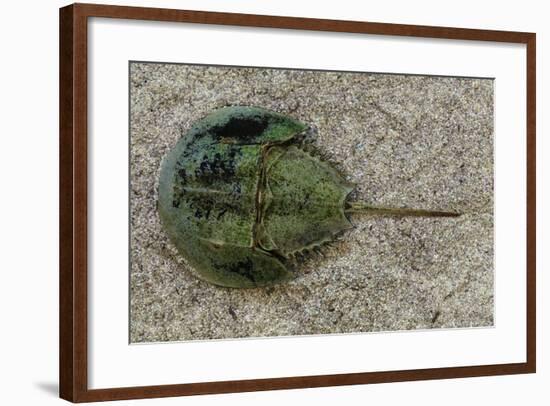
x=239 y=197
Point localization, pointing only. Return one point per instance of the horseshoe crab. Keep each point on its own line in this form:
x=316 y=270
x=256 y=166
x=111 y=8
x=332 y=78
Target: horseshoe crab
x=240 y=196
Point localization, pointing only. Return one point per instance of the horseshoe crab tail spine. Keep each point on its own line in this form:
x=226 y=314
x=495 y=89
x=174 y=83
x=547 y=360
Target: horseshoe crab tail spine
x=359 y=207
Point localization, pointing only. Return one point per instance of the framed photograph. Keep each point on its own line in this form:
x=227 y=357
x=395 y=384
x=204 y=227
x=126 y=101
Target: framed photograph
x=253 y=202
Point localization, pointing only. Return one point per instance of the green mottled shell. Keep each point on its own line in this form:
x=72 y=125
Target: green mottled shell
x=238 y=197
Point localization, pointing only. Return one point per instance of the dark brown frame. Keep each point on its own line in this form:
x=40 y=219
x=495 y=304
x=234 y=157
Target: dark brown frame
x=73 y=202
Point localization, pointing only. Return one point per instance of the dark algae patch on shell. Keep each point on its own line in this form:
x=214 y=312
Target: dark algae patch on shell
x=240 y=196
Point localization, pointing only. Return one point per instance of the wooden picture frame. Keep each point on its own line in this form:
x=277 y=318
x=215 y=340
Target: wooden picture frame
x=73 y=200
